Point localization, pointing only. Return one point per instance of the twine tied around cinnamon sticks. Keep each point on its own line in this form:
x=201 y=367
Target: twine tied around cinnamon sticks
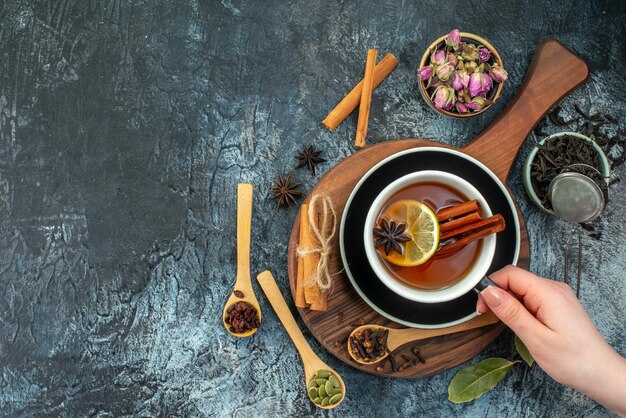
x=323 y=227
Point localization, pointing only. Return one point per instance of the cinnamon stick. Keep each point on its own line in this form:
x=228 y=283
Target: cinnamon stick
x=320 y=301
x=458 y=210
x=304 y=224
x=493 y=229
x=353 y=98
x=366 y=98
x=472 y=227
x=308 y=261
x=459 y=222
x=317 y=300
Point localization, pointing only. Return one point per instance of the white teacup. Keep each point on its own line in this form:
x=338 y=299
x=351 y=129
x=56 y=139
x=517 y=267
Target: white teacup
x=464 y=284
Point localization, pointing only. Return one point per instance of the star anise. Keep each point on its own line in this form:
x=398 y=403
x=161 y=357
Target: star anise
x=391 y=236
x=285 y=191
x=309 y=158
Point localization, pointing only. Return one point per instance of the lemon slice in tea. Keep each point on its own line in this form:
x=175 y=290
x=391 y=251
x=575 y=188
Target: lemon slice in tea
x=421 y=227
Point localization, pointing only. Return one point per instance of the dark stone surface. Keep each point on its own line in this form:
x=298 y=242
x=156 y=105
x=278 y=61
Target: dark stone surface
x=124 y=129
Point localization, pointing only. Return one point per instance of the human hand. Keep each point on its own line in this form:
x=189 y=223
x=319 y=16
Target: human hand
x=549 y=319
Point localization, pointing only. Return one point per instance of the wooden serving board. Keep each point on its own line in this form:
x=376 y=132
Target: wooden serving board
x=554 y=72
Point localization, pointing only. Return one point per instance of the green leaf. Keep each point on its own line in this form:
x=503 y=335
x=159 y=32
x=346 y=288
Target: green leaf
x=523 y=352
x=473 y=381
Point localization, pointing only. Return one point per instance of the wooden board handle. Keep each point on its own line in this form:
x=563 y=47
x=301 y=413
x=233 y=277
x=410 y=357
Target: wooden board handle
x=554 y=72
x=244 y=223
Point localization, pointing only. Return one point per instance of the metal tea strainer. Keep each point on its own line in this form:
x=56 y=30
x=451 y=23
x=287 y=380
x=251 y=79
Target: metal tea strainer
x=576 y=197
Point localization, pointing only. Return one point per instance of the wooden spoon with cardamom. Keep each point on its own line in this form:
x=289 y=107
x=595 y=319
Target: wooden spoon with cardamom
x=243 y=286
x=312 y=363
x=399 y=337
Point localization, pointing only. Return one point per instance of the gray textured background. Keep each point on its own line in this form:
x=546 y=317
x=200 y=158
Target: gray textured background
x=124 y=129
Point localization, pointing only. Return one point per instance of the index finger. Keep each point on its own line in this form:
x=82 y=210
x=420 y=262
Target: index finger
x=524 y=284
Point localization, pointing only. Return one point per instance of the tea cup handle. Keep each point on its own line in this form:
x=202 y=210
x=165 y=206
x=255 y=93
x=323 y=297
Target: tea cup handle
x=483 y=284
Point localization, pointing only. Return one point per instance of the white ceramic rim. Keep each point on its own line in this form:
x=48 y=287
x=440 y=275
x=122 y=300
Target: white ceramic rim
x=461 y=287
x=528 y=185
x=351 y=197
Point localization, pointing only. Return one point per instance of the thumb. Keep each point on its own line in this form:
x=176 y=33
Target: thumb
x=512 y=313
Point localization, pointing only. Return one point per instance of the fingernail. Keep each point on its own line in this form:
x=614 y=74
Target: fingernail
x=478 y=312
x=492 y=296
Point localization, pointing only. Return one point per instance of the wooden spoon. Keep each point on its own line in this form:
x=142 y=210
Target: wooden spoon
x=243 y=285
x=312 y=363
x=399 y=337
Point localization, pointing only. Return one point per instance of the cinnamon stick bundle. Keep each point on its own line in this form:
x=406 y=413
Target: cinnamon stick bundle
x=468 y=227
x=492 y=229
x=350 y=102
x=310 y=293
x=366 y=99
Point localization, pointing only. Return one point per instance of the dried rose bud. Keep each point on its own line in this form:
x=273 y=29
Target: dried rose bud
x=452 y=59
x=498 y=73
x=461 y=108
x=479 y=84
x=433 y=83
x=425 y=72
x=444 y=97
x=465 y=78
x=477 y=103
x=465 y=96
x=470 y=52
x=438 y=57
x=470 y=66
x=454 y=39
x=445 y=71
x=483 y=54
x=457 y=83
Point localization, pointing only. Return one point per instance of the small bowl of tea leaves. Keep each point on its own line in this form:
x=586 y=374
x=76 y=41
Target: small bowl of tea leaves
x=559 y=153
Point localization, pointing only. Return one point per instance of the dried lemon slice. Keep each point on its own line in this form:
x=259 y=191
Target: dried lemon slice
x=421 y=227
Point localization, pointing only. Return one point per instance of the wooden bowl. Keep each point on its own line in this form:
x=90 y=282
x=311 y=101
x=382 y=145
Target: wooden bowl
x=494 y=94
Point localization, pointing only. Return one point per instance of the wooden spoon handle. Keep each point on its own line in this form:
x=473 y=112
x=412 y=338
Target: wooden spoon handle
x=554 y=72
x=268 y=284
x=244 y=223
x=407 y=335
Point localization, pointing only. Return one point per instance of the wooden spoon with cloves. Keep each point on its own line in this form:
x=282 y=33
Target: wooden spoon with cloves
x=242 y=313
